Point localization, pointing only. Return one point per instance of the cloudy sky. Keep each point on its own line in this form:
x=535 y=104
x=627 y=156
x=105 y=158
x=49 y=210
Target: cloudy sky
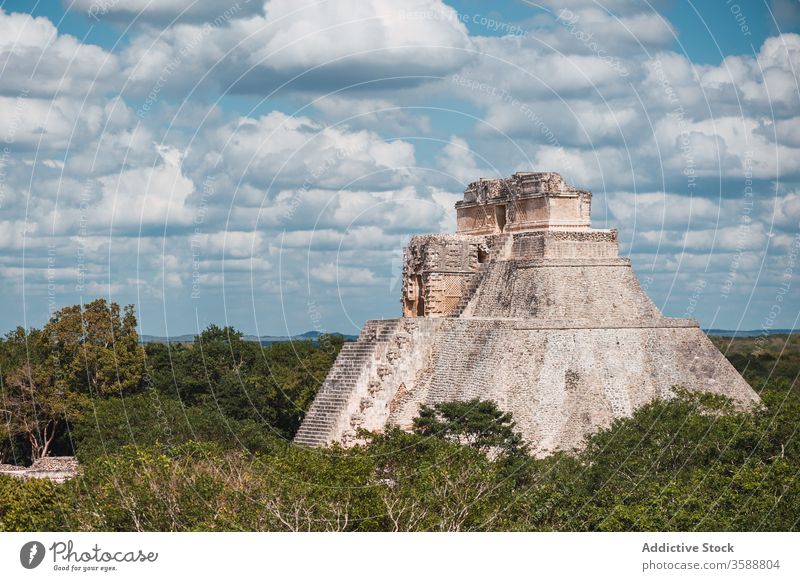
x=263 y=164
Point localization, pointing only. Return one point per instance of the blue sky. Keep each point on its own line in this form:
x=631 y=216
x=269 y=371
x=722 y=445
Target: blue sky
x=263 y=164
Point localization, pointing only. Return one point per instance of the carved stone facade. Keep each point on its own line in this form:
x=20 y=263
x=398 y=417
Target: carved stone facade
x=525 y=305
x=438 y=271
x=525 y=201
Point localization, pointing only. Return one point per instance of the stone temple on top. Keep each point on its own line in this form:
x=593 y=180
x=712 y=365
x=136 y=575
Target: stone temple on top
x=528 y=306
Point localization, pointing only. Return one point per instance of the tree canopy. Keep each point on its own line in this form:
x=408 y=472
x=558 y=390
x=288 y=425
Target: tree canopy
x=197 y=437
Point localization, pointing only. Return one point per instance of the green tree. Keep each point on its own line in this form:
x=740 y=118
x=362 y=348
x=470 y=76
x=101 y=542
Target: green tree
x=32 y=505
x=273 y=384
x=95 y=348
x=18 y=349
x=48 y=375
x=197 y=371
x=292 y=373
x=151 y=489
x=475 y=423
x=431 y=484
x=156 y=420
x=37 y=406
x=297 y=489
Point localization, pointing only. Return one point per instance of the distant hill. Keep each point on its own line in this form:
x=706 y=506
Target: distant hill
x=264 y=339
x=749 y=333
x=314 y=336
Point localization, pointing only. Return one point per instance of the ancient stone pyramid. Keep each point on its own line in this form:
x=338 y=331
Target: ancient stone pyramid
x=528 y=306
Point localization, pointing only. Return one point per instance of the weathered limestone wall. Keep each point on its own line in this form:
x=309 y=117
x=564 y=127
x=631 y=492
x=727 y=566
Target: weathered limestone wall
x=523 y=214
x=563 y=384
x=566 y=212
x=526 y=201
x=569 y=212
x=398 y=366
x=565 y=244
x=521 y=184
x=478 y=220
x=439 y=271
x=579 y=290
x=56 y=468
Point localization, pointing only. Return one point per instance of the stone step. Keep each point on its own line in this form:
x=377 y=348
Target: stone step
x=311 y=440
x=337 y=389
x=315 y=424
x=338 y=393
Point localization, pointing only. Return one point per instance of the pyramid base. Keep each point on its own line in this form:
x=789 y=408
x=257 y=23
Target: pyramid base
x=561 y=380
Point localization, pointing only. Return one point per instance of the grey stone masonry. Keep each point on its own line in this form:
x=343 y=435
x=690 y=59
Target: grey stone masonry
x=56 y=468
x=600 y=290
x=526 y=306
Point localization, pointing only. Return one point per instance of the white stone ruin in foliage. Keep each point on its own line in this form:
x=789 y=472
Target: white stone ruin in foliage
x=526 y=305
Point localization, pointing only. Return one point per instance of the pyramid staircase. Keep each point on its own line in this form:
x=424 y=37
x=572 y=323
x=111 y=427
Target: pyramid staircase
x=351 y=367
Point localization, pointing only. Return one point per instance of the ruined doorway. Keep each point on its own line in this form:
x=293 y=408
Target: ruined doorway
x=419 y=303
x=500 y=216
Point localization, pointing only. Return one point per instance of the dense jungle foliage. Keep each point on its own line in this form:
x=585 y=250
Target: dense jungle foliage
x=196 y=437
